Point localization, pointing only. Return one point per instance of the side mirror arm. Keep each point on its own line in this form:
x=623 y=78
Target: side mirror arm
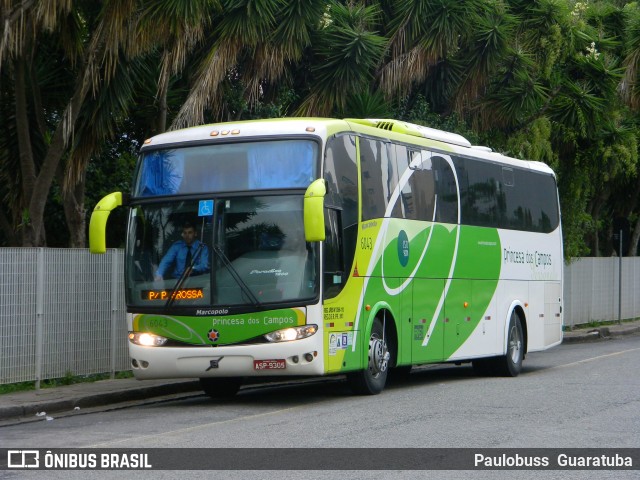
x=99 y=217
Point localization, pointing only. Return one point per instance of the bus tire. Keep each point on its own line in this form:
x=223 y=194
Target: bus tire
x=373 y=379
x=223 y=387
x=510 y=364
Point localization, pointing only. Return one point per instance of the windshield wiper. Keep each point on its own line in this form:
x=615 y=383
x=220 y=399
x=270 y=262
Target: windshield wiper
x=236 y=276
x=185 y=274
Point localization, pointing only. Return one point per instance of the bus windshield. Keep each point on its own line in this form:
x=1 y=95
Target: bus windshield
x=227 y=167
x=219 y=252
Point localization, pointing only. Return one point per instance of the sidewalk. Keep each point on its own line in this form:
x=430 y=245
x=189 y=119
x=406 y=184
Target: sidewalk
x=78 y=398
x=49 y=403
x=601 y=333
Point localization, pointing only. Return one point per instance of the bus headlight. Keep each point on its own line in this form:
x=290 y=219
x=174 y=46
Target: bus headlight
x=293 y=333
x=147 y=339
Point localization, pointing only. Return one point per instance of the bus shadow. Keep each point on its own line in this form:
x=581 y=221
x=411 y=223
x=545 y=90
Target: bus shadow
x=296 y=392
x=430 y=374
x=439 y=373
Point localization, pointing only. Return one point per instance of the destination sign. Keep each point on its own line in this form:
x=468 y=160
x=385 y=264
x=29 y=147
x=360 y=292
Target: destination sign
x=182 y=294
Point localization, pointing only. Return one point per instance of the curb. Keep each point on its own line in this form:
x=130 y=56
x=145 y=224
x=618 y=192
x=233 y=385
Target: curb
x=95 y=399
x=601 y=333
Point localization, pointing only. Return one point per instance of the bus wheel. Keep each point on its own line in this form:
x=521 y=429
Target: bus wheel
x=372 y=380
x=510 y=365
x=222 y=387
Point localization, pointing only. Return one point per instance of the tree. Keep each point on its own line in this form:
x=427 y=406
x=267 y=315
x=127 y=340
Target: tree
x=548 y=80
x=251 y=44
x=54 y=57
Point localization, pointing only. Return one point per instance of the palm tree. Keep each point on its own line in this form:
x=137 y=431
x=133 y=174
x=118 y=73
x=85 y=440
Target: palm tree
x=346 y=53
x=183 y=24
x=251 y=43
x=49 y=93
x=630 y=85
x=426 y=39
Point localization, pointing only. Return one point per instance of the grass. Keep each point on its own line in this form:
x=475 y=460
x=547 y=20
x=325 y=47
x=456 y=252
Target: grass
x=68 y=379
x=596 y=324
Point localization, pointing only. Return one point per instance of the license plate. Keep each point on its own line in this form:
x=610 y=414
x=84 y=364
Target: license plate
x=269 y=364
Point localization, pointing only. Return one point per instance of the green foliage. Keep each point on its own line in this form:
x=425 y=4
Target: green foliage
x=533 y=142
x=417 y=110
x=367 y=105
x=347 y=54
x=548 y=80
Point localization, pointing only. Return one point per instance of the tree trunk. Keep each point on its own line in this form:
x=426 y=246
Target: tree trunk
x=11 y=238
x=30 y=236
x=74 y=211
x=635 y=238
x=633 y=205
x=33 y=231
x=163 y=91
x=595 y=208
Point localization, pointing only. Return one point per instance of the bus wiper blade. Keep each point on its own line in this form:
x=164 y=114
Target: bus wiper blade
x=185 y=274
x=236 y=276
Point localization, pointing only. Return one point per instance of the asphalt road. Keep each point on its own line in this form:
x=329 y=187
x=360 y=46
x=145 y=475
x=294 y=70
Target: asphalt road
x=577 y=395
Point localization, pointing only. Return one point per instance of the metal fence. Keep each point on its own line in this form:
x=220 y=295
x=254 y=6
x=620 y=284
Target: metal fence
x=592 y=290
x=62 y=310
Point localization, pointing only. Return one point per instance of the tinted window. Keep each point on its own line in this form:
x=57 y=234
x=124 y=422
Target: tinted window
x=507 y=197
x=431 y=186
x=479 y=192
x=379 y=177
x=419 y=193
x=531 y=203
x=446 y=191
x=335 y=274
x=341 y=174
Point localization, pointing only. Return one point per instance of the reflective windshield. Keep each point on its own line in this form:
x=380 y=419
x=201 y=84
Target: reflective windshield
x=227 y=167
x=220 y=252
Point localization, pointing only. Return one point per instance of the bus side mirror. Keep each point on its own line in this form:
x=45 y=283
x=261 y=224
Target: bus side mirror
x=98 y=222
x=314 y=211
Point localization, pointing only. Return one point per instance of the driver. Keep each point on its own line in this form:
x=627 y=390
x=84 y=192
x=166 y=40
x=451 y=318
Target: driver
x=188 y=253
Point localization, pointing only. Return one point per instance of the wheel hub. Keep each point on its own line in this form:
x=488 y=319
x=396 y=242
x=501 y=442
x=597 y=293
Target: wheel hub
x=379 y=358
x=515 y=345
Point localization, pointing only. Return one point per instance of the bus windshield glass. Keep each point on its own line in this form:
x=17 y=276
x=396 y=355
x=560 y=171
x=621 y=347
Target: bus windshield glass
x=219 y=252
x=226 y=167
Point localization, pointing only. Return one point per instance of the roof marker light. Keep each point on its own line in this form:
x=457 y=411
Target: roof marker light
x=214 y=133
x=147 y=141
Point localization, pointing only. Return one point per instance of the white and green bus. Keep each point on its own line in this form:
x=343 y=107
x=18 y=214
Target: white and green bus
x=327 y=247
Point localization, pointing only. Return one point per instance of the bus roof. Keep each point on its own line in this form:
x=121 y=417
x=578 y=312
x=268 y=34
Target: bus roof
x=323 y=127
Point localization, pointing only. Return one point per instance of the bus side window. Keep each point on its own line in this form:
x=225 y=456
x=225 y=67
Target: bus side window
x=341 y=174
x=446 y=191
x=335 y=276
x=379 y=178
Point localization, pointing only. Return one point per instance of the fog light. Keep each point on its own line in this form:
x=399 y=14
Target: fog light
x=308 y=357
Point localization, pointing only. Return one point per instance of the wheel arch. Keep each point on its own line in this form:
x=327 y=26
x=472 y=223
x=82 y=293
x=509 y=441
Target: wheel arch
x=383 y=311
